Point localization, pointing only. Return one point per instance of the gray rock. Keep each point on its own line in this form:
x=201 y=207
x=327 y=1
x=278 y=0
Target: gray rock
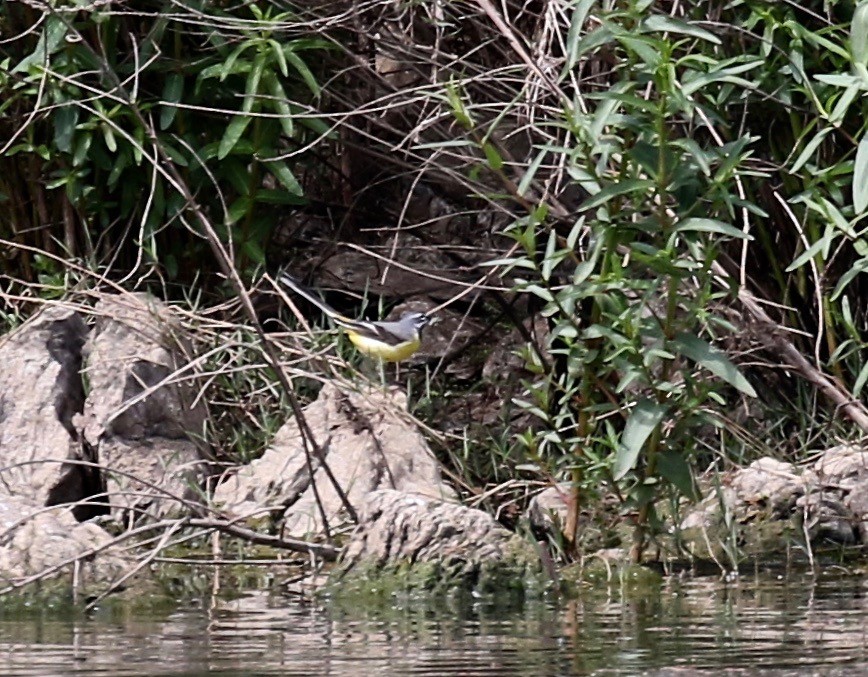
x=138 y=415
x=842 y=467
x=35 y=540
x=752 y=511
x=827 y=519
x=856 y=502
x=447 y=543
x=770 y=503
x=768 y=486
x=367 y=442
x=40 y=393
x=547 y=511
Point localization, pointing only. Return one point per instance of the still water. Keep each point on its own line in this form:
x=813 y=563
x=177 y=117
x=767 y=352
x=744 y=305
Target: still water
x=761 y=624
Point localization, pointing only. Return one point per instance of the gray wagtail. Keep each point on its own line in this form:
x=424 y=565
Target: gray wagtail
x=388 y=341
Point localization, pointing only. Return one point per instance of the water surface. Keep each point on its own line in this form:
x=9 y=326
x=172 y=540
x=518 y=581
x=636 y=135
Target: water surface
x=760 y=624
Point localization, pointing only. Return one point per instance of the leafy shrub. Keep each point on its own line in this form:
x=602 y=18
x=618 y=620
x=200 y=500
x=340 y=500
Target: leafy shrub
x=101 y=107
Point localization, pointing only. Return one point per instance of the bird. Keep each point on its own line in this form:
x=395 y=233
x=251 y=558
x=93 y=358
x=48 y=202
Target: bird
x=389 y=341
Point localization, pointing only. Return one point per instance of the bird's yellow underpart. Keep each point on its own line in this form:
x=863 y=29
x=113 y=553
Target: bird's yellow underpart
x=384 y=351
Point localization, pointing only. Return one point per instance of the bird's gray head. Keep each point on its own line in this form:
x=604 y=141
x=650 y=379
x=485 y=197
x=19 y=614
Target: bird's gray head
x=418 y=320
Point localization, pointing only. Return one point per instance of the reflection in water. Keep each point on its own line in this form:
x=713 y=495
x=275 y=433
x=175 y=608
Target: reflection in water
x=790 y=624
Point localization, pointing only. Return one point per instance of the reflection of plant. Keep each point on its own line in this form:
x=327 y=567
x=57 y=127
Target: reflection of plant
x=88 y=97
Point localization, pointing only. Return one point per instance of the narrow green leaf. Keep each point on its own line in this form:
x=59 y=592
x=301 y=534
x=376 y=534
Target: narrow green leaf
x=808 y=254
x=577 y=229
x=230 y=137
x=238 y=209
x=675 y=469
x=277 y=50
x=616 y=189
x=837 y=218
x=843 y=104
x=646 y=49
x=302 y=69
x=591 y=41
x=551 y=258
x=82 y=146
x=711 y=226
x=580 y=13
x=65 y=119
x=860 y=266
x=666 y=24
x=174 y=154
x=859 y=34
x=492 y=156
x=860 y=380
x=531 y=172
x=860 y=177
x=603 y=117
x=172 y=90
x=253 y=251
x=838 y=80
x=280 y=105
x=285 y=176
x=228 y=66
x=539 y=291
x=585 y=268
x=109 y=136
x=50 y=40
x=645 y=416
x=811 y=146
x=698 y=154
x=712 y=359
x=251 y=89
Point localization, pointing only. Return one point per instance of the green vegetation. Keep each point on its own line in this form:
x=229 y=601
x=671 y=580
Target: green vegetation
x=104 y=113
x=678 y=190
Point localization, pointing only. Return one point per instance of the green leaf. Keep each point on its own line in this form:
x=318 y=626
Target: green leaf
x=860 y=266
x=277 y=50
x=277 y=196
x=860 y=380
x=675 y=469
x=615 y=189
x=238 y=209
x=251 y=88
x=667 y=24
x=859 y=34
x=838 y=80
x=580 y=13
x=232 y=134
x=711 y=226
x=860 y=177
x=493 y=157
x=812 y=146
x=280 y=104
x=49 y=42
x=65 y=119
x=253 y=251
x=302 y=69
x=108 y=136
x=531 y=172
x=645 y=416
x=285 y=176
x=843 y=104
x=712 y=359
x=172 y=91
x=228 y=67
x=809 y=253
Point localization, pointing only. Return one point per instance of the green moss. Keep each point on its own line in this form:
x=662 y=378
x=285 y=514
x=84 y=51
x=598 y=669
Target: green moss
x=633 y=579
x=509 y=579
